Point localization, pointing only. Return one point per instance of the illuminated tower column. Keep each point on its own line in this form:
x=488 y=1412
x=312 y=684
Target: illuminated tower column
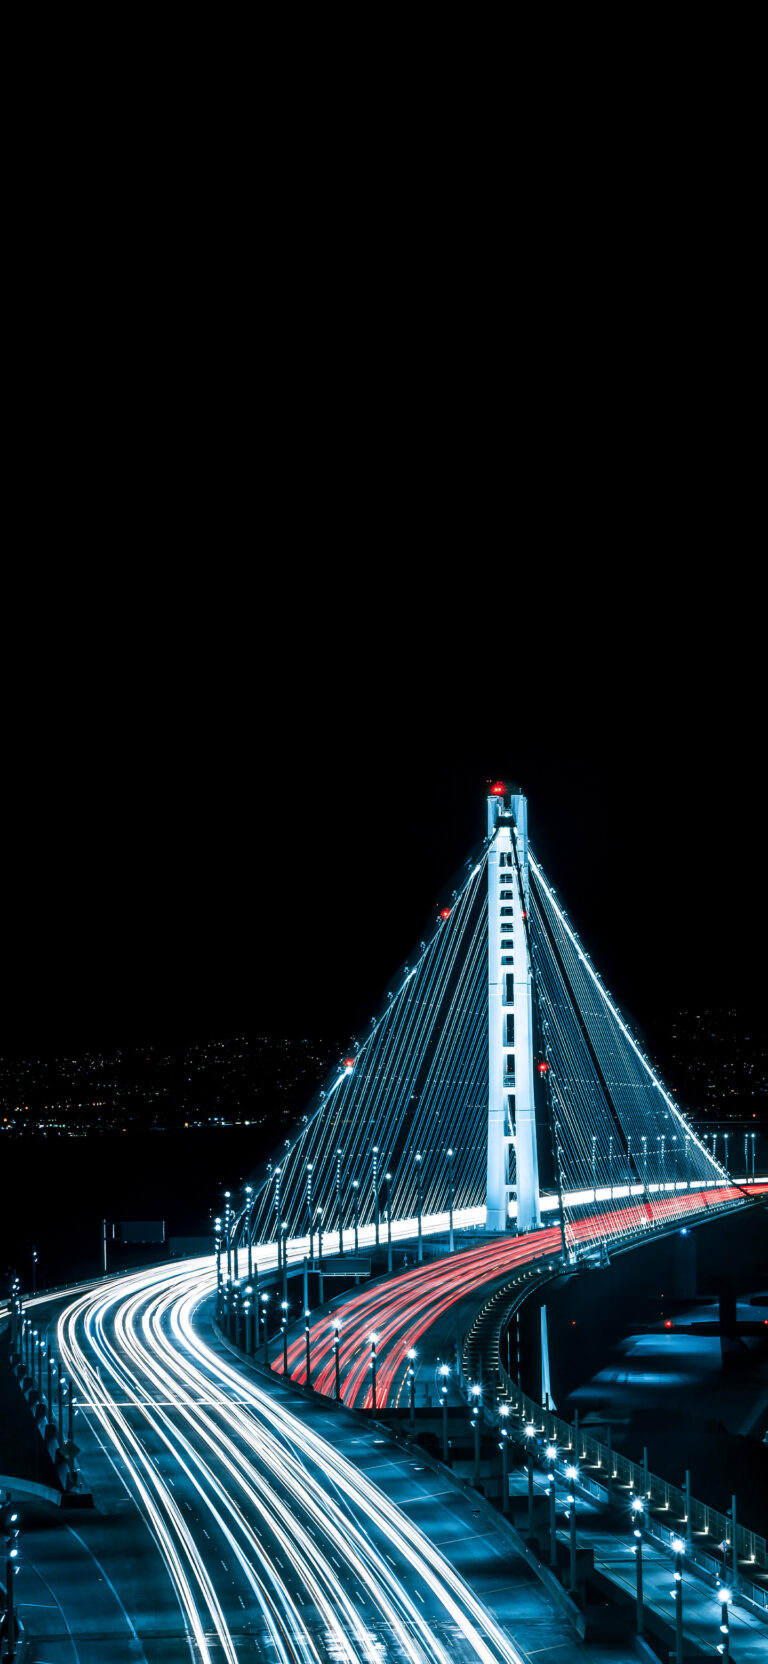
x=511 y=1110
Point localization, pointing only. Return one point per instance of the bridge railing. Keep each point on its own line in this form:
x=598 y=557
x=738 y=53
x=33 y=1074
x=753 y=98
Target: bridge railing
x=620 y=1472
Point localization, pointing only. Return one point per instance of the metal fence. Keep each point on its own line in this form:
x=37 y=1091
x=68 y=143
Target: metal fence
x=619 y=1472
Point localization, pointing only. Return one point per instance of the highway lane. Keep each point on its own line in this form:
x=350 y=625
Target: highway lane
x=400 y=1310
x=276 y=1545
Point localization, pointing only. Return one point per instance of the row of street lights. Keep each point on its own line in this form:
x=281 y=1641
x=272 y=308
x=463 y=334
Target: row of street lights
x=232 y=1237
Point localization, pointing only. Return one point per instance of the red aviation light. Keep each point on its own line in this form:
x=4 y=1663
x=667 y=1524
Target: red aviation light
x=543 y=1068
x=498 y=789
x=349 y=1062
x=445 y=912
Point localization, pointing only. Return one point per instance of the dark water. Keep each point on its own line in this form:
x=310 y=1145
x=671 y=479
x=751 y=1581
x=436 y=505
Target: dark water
x=639 y=1346
x=57 y=1191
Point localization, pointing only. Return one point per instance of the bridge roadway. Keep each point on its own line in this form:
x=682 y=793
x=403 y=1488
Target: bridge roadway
x=417 y=1308
x=274 y=1540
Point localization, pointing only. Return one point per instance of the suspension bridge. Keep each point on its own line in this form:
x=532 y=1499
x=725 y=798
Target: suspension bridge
x=500 y=1085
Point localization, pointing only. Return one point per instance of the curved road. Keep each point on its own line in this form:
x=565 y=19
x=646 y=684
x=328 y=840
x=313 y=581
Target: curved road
x=276 y=1545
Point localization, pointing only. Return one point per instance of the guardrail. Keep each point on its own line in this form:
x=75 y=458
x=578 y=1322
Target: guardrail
x=636 y=1478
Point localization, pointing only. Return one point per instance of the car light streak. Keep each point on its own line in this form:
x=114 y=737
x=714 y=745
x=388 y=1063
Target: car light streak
x=134 y=1346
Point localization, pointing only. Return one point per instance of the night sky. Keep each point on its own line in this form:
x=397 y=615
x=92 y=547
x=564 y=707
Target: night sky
x=233 y=801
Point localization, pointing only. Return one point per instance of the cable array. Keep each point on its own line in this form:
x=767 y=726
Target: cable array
x=618 y=1131
x=413 y=1091
x=401 y=1126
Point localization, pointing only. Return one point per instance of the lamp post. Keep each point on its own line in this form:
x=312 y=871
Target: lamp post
x=551 y=1455
x=319 y=1217
x=724 y=1601
x=248 y=1212
x=687 y=1161
x=284 y=1308
x=530 y=1436
x=227 y=1231
x=638 y=1524
x=610 y=1165
x=752 y=1136
x=444 y=1372
x=726 y=1136
x=449 y=1154
x=504 y=1414
x=594 y=1167
x=629 y=1167
x=309 y=1211
x=10 y=1528
x=572 y=1474
x=336 y=1344
x=475 y=1423
x=278 y=1217
x=217 y=1247
x=373 y=1372
x=307 y=1345
x=411 y=1356
x=376 y=1190
x=249 y=1304
x=264 y=1304
x=420 y=1248
x=678 y=1549
x=355 y=1189
x=35 y=1257
x=338 y=1201
x=388 y=1177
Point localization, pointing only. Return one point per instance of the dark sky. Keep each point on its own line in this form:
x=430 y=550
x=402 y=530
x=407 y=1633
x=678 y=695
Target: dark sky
x=233 y=798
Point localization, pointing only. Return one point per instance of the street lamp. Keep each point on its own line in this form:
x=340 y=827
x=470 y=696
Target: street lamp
x=594 y=1167
x=284 y=1308
x=319 y=1218
x=336 y=1328
x=355 y=1189
x=411 y=1356
x=264 y=1304
x=248 y=1308
x=504 y=1414
x=248 y=1212
x=530 y=1438
x=338 y=1201
x=227 y=1232
x=307 y=1344
x=551 y=1455
x=388 y=1177
x=376 y=1190
x=444 y=1372
x=724 y=1599
x=373 y=1339
x=449 y=1154
x=309 y=1211
x=572 y=1474
x=678 y=1549
x=726 y=1136
x=420 y=1249
x=638 y=1524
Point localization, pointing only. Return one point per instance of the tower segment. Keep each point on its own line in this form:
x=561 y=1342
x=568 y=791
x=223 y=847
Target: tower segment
x=511 y=1109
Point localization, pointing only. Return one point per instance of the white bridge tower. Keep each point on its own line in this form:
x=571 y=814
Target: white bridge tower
x=511 y=1110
